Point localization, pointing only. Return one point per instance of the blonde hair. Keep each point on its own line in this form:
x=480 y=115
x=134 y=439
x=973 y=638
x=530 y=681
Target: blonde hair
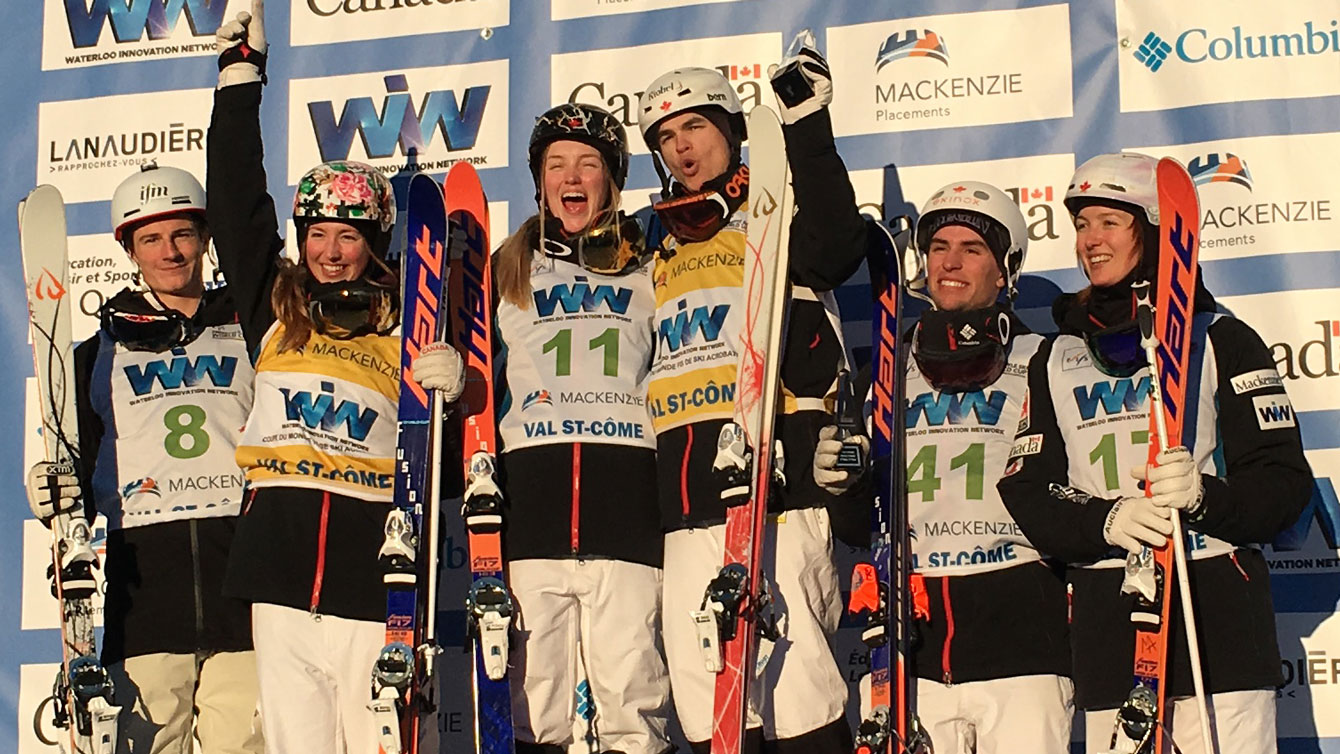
x=511 y=263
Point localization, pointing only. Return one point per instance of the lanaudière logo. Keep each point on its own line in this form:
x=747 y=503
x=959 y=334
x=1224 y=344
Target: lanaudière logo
x=1220 y=167
x=1201 y=45
x=912 y=43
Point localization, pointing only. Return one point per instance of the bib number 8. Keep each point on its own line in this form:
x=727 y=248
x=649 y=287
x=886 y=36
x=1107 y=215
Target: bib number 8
x=186 y=437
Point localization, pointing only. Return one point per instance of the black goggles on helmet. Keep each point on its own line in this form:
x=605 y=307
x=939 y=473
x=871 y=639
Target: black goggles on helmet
x=347 y=309
x=1116 y=350
x=610 y=248
x=961 y=352
x=155 y=331
x=694 y=218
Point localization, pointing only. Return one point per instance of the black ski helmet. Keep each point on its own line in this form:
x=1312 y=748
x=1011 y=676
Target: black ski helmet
x=577 y=121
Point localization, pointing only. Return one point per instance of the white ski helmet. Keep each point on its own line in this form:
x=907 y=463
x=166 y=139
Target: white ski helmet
x=1127 y=178
x=684 y=89
x=988 y=211
x=153 y=193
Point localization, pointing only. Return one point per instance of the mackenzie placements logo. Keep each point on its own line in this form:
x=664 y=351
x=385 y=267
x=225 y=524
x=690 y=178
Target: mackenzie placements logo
x=1220 y=167
x=912 y=43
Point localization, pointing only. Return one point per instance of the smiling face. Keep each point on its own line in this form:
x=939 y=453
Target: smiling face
x=693 y=148
x=1107 y=241
x=576 y=184
x=335 y=251
x=962 y=271
x=170 y=254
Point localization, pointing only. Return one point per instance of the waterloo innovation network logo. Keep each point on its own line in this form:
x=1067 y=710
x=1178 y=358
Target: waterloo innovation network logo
x=912 y=43
x=1200 y=45
x=1220 y=167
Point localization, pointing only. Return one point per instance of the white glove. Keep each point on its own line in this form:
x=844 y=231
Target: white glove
x=241 y=46
x=1135 y=521
x=52 y=490
x=1175 y=482
x=831 y=479
x=794 y=101
x=439 y=367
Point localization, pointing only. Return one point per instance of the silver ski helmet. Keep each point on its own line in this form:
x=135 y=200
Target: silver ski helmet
x=1127 y=180
x=588 y=124
x=985 y=209
x=154 y=193
x=689 y=89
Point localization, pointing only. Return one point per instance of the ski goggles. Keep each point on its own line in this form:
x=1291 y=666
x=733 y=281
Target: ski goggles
x=694 y=218
x=612 y=248
x=349 y=308
x=1116 y=350
x=150 y=331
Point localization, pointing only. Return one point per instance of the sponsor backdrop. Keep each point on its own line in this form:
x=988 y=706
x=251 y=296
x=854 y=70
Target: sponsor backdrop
x=1015 y=92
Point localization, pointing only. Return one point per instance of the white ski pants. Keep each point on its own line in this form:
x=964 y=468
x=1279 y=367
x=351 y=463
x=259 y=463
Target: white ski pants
x=1241 y=722
x=315 y=680
x=612 y=608
x=164 y=696
x=1029 y=713
x=801 y=688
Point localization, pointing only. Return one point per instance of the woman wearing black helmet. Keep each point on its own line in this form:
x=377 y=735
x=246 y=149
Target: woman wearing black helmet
x=578 y=464
x=1078 y=484
x=318 y=448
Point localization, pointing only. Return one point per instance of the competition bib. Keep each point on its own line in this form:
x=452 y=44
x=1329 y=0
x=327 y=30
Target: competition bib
x=578 y=358
x=172 y=421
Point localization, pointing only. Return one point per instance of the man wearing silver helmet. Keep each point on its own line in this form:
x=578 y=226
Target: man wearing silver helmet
x=694 y=124
x=991 y=654
x=162 y=390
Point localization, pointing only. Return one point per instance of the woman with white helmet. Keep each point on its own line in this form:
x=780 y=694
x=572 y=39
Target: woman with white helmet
x=693 y=122
x=318 y=449
x=582 y=541
x=1077 y=478
x=991 y=653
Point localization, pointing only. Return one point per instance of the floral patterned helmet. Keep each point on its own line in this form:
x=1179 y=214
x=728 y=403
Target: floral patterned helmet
x=345 y=191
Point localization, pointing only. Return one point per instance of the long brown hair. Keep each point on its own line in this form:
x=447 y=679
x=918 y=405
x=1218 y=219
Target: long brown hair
x=288 y=300
x=511 y=264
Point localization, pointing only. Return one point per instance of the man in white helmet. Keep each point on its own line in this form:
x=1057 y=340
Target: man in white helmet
x=1080 y=487
x=692 y=120
x=162 y=391
x=991 y=651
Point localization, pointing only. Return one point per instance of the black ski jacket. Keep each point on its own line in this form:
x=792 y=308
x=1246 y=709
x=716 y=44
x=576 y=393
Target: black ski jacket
x=827 y=245
x=1264 y=486
x=301 y=548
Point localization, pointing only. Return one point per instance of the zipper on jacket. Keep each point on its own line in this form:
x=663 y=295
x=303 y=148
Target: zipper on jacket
x=320 y=553
x=1237 y=565
x=684 y=472
x=199 y=596
x=576 y=497
x=949 y=632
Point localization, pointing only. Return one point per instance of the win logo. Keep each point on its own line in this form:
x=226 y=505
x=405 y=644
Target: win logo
x=911 y=43
x=955 y=408
x=1153 y=51
x=683 y=328
x=1118 y=396
x=1217 y=167
x=1324 y=510
x=580 y=296
x=181 y=372
x=322 y=412
x=130 y=19
x=399 y=125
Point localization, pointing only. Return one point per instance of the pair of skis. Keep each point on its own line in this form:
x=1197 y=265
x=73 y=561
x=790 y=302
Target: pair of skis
x=448 y=239
x=1165 y=334
x=81 y=698
x=882 y=588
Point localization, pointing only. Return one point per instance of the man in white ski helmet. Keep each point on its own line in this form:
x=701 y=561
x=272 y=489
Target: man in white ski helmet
x=991 y=653
x=693 y=121
x=162 y=390
x=1079 y=484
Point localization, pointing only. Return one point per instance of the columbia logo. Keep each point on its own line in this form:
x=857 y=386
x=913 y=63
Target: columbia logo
x=967 y=332
x=1153 y=51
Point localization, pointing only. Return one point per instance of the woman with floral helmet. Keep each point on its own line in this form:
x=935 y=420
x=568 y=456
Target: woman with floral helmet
x=578 y=463
x=318 y=448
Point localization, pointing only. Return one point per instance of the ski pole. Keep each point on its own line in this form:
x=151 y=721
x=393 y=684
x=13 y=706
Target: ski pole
x=1144 y=314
